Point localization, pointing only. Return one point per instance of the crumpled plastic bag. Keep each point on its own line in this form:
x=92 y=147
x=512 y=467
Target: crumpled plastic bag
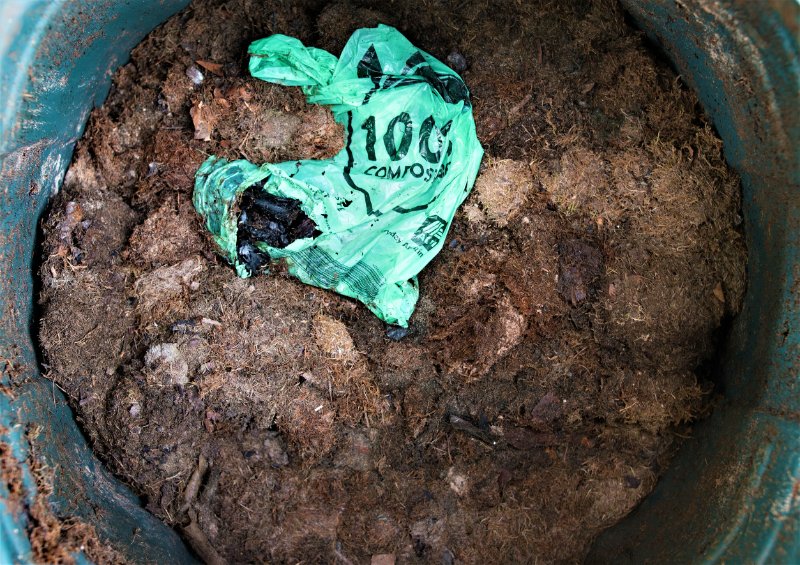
x=382 y=206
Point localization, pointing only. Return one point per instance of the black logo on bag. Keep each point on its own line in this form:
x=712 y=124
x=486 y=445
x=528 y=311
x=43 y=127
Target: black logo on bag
x=449 y=86
x=452 y=90
x=430 y=232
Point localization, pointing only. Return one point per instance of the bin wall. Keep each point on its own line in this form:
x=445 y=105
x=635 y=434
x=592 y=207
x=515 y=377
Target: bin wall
x=733 y=492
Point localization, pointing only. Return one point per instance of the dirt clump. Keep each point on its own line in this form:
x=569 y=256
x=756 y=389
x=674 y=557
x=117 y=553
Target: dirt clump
x=502 y=189
x=559 y=349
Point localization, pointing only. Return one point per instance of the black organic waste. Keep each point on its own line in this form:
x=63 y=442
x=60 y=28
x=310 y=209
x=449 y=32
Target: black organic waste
x=272 y=220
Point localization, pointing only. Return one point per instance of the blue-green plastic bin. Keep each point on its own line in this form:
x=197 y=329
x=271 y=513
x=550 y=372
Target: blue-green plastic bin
x=733 y=492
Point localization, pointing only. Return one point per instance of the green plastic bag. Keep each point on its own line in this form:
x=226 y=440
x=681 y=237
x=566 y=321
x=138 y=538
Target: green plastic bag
x=382 y=205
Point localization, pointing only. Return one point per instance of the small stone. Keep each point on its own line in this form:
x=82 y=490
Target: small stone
x=457 y=61
x=135 y=409
x=195 y=75
x=383 y=559
x=459 y=484
x=396 y=333
x=165 y=360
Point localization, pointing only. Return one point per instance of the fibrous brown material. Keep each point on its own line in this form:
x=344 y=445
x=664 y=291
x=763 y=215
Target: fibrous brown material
x=559 y=347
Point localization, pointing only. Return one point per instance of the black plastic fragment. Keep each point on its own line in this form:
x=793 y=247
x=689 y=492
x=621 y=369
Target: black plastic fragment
x=396 y=333
x=269 y=219
x=457 y=61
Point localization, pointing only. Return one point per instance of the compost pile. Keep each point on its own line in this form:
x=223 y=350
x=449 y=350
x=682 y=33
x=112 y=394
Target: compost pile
x=559 y=350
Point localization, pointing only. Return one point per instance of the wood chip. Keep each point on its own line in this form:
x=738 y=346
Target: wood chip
x=719 y=294
x=204 y=119
x=193 y=486
x=215 y=68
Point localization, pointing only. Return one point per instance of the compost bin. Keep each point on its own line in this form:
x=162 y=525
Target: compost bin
x=731 y=494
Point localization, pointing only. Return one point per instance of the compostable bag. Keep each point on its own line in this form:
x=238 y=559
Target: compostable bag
x=365 y=222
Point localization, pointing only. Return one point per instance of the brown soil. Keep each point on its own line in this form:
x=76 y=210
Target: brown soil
x=557 y=351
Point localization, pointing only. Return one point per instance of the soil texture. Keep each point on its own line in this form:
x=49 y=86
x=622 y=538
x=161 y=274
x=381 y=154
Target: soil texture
x=559 y=351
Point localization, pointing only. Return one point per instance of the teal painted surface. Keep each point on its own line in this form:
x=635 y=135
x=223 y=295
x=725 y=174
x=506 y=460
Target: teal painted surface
x=733 y=493
x=56 y=60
